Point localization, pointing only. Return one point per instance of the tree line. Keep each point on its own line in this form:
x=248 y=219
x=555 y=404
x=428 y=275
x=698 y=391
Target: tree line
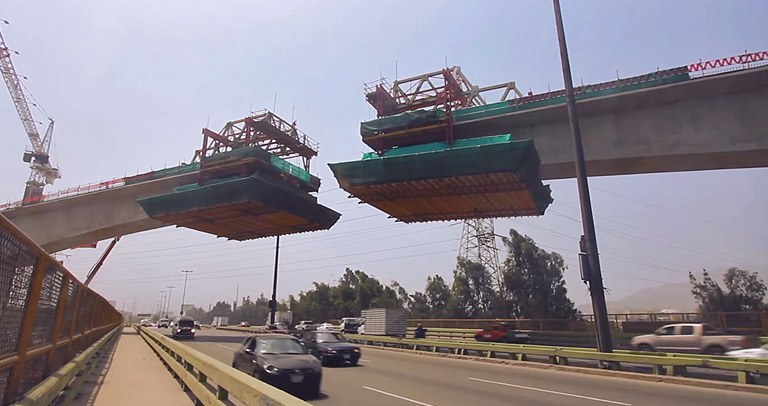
x=529 y=285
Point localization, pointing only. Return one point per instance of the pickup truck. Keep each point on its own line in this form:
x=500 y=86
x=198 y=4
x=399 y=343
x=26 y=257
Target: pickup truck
x=502 y=333
x=690 y=337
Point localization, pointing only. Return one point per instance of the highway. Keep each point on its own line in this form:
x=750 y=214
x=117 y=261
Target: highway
x=392 y=378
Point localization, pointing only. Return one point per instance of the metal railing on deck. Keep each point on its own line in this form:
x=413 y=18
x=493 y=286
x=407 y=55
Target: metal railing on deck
x=213 y=382
x=47 y=316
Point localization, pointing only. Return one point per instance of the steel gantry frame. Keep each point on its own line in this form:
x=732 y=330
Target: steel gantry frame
x=430 y=90
x=263 y=129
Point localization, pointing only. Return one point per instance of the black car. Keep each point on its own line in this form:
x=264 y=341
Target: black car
x=280 y=360
x=331 y=347
x=185 y=327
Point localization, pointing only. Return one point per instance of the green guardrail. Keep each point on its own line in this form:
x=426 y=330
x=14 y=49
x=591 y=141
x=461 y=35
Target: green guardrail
x=211 y=381
x=71 y=376
x=748 y=371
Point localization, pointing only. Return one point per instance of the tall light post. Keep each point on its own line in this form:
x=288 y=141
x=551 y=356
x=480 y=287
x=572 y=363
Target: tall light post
x=273 y=302
x=161 y=304
x=184 y=292
x=168 y=305
x=589 y=260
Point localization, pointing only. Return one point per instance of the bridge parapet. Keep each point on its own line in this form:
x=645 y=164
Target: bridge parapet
x=47 y=316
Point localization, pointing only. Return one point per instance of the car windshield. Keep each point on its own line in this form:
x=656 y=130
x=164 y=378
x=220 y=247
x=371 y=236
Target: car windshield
x=330 y=338
x=280 y=346
x=186 y=323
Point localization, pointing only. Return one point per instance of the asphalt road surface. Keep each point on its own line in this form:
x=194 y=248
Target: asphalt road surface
x=393 y=378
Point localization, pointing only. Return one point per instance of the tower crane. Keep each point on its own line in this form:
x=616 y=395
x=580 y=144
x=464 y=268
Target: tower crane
x=38 y=157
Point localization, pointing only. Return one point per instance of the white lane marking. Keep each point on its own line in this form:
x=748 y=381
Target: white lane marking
x=551 y=391
x=229 y=348
x=364 y=360
x=397 y=396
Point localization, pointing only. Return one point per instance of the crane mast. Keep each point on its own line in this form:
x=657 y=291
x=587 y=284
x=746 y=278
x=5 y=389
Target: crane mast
x=38 y=158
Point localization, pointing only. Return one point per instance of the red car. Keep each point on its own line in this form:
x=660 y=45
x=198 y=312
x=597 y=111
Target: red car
x=502 y=333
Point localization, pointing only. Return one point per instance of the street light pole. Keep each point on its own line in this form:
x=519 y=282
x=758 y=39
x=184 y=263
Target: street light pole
x=273 y=302
x=184 y=294
x=589 y=260
x=168 y=305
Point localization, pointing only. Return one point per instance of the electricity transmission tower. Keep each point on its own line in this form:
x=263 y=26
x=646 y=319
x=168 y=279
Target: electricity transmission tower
x=478 y=244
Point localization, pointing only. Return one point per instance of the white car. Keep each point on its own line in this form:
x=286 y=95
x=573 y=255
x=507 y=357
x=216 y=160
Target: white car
x=759 y=352
x=326 y=327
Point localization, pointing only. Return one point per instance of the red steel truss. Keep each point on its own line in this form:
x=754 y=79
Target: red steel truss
x=263 y=129
x=446 y=86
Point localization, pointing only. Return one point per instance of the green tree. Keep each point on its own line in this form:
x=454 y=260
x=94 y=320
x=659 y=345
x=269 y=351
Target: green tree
x=533 y=282
x=472 y=293
x=221 y=309
x=437 y=295
x=354 y=292
x=419 y=308
x=744 y=291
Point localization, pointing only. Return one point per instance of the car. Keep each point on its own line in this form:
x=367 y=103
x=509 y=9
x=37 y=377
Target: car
x=185 y=328
x=244 y=324
x=326 y=327
x=350 y=324
x=279 y=328
x=502 y=333
x=692 y=338
x=145 y=322
x=331 y=347
x=306 y=325
x=759 y=352
x=163 y=323
x=281 y=361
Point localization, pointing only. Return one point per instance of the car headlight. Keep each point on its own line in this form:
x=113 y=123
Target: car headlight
x=193 y=330
x=330 y=351
x=271 y=368
x=356 y=350
x=178 y=330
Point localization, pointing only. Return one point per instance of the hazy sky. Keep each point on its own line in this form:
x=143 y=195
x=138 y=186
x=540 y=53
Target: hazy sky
x=131 y=84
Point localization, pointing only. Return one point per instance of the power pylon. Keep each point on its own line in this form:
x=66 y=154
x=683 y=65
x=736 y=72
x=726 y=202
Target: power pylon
x=478 y=244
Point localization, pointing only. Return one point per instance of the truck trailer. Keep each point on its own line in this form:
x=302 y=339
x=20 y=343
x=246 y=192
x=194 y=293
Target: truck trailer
x=385 y=322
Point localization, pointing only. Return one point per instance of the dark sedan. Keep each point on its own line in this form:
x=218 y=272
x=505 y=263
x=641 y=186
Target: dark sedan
x=185 y=327
x=281 y=361
x=331 y=347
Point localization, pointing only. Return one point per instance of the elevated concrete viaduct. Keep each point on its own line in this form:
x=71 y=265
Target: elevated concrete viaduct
x=716 y=122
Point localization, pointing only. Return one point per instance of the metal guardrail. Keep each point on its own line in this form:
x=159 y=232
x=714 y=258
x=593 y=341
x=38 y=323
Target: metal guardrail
x=211 y=381
x=631 y=323
x=47 y=316
x=69 y=376
x=660 y=363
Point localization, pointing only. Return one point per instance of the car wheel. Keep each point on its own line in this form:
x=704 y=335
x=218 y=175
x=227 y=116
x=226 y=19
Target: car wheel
x=354 y=362
x=313 y=391
x=714 y=350
x=644 y=348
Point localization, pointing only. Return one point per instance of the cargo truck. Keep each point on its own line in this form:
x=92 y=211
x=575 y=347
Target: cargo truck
x=285 y=317
x=220 y=321
x=385 y=322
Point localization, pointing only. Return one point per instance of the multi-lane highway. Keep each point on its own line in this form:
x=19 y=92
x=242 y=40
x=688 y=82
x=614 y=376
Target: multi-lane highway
x=393 y=378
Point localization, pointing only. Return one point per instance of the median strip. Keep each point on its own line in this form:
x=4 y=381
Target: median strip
x=551 y=391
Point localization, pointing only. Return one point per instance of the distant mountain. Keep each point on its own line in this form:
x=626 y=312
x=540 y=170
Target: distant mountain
x=675 y=296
